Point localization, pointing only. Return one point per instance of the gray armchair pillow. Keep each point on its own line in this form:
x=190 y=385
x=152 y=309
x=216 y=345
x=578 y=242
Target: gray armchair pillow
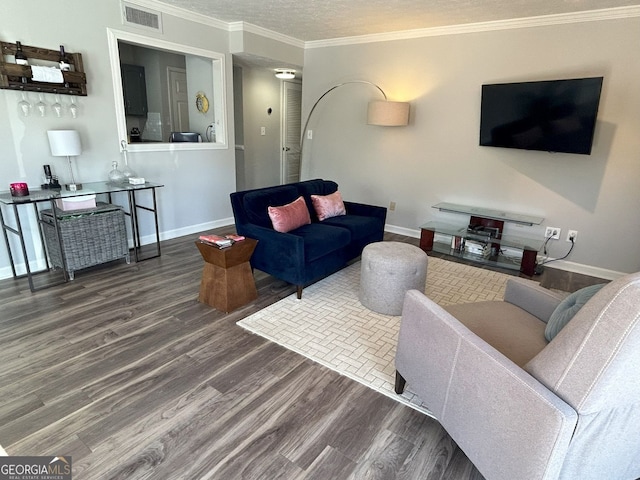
x=568 y=308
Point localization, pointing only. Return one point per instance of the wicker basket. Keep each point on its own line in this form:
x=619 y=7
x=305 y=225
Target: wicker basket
x=89 y=237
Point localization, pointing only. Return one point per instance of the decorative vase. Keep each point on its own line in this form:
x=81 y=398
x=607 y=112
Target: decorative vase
x=126 y=170
x=115 y=175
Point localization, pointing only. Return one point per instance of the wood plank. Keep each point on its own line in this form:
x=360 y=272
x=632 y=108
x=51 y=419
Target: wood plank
x=347 y=419
x=431 y=457
x=39 y=418
x=331 y=463
x=201 y=447
x=384 y=458
x=10 y=410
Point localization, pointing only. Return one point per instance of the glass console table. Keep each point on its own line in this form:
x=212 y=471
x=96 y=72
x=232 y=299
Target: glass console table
x=482 y=240
x=47 y=198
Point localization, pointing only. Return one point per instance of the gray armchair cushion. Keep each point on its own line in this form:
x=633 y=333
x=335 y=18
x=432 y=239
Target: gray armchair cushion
x=516 y=334
x=568 y=308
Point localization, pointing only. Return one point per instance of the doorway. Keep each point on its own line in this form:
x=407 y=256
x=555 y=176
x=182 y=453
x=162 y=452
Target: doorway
x=291 y=128
x=178 y=99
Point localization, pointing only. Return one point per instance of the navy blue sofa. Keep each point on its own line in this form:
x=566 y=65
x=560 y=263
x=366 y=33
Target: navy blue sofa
x=311 y=252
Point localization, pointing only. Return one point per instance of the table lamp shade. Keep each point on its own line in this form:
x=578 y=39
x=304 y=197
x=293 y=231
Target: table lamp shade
x=388 y=114
x=64 y=143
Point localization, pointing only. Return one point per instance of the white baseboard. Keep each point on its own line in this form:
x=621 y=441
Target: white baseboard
x=407 y=232
x=191 y=229
x=34 y=265
x=586 y=270
x=559 y=264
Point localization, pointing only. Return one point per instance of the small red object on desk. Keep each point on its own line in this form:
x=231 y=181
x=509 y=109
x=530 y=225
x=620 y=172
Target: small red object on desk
x=19 y=189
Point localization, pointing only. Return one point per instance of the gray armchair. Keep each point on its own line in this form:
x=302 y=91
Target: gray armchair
x=521 y=407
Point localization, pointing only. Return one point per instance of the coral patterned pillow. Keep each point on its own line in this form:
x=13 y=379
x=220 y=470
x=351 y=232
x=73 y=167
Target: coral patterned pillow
x=290 y=216
x=328 y=206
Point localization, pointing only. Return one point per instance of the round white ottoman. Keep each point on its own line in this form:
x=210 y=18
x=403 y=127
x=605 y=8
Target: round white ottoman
x=388 y=271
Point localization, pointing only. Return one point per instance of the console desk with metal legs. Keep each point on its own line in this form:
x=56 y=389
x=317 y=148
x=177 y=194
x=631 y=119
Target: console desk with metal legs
x=48 y=198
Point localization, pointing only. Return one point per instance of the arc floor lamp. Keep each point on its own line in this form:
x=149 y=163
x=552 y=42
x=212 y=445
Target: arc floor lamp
x=380 y=112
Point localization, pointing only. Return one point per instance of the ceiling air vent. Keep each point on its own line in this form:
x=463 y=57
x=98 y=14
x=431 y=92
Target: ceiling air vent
x=135 y=16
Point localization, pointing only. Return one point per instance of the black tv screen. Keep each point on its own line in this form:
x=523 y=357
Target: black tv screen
x=552 y=116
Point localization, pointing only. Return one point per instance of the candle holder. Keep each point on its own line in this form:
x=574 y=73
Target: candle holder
x=19 y=189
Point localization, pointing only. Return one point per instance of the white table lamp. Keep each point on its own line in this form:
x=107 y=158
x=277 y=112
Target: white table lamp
x=66 y=143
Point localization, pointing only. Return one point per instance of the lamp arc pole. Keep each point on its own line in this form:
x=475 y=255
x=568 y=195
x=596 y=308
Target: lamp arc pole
x=306 y=124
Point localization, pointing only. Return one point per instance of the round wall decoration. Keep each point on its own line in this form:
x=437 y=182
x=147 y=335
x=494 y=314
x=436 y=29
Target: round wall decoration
x=202 y=102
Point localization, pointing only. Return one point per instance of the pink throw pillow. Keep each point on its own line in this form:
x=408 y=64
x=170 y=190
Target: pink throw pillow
x=328 y=206
x=290 y=216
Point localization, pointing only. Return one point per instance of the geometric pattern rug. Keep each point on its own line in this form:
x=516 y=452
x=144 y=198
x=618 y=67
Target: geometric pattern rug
x=330 y=326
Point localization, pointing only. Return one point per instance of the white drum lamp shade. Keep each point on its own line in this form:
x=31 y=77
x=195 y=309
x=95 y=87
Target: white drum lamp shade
x=66 y=143
x=388 y=114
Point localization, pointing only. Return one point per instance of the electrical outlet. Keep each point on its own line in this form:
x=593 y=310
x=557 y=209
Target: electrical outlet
x=392 y=206
x=552 y=232
x=571 y=236
x=309 y=134
x=263 y=130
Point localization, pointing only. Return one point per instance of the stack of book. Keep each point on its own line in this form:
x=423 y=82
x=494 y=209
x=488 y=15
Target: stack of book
x=219 y=241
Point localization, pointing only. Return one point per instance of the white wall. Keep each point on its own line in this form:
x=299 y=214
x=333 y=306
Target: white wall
x=437 y=157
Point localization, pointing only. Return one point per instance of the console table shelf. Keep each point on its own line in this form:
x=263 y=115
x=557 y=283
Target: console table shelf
x=489 y=213
x=483 y=241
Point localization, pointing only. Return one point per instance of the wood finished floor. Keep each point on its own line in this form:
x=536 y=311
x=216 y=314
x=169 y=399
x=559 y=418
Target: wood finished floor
x=126 y=372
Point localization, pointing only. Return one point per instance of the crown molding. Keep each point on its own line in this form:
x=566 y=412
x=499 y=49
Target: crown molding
x=181 y=13
x=214 y=22
x=264 y=32
x=528 y=22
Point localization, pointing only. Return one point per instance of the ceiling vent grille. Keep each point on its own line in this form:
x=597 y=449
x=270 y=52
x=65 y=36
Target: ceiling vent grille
x=135 y=16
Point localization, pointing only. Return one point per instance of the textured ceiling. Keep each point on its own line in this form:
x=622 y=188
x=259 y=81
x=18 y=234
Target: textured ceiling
x=310 y=20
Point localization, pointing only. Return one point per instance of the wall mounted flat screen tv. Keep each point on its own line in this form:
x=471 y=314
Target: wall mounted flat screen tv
x=552 y=116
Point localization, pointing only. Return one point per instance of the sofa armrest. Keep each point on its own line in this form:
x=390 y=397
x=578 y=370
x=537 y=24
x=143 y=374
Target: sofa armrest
x=506 y=422
x=290 y=244
x=279 y=254
x=354 y=208
x=531 y=297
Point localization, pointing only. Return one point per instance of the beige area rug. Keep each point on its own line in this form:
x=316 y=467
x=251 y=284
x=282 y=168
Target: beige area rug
x=331 y=327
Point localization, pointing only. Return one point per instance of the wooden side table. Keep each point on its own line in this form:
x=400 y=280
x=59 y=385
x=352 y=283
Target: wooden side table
x=227 y=280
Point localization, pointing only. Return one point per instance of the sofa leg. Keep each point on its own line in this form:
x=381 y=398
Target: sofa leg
x=299 y=291
x=400 y=383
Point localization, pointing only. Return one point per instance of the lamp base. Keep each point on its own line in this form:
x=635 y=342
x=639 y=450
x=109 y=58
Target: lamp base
x=72 y=187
